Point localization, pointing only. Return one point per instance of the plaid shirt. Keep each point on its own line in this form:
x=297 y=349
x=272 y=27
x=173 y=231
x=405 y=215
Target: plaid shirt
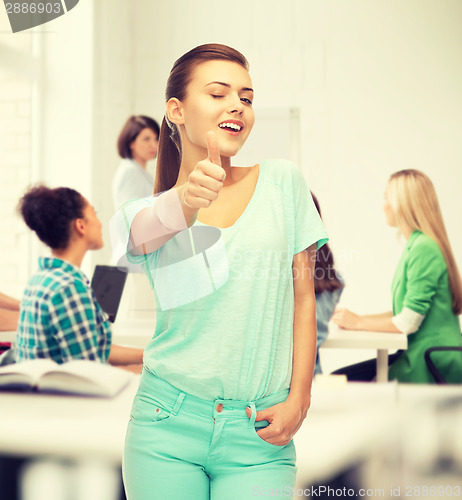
x=60 y=317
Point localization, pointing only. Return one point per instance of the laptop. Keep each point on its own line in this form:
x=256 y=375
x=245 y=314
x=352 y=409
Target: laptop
x=108 y=284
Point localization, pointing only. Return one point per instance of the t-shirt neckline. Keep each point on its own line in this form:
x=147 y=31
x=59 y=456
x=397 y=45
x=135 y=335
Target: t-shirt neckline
x=247 y=209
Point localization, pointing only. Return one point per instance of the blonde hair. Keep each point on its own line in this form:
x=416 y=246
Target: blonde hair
x=413 y=200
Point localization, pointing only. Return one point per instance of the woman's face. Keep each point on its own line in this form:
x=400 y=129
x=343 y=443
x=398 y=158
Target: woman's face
x=390 y=218
x=219 y=99
x=144 y=147
x=93 y=228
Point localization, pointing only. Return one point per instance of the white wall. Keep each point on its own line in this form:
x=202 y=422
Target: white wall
x=16 y=83
x=395 y=102
x=113 y=102
x=379 y=87
x=65 y=105
x=86 y=95
x=67 y=100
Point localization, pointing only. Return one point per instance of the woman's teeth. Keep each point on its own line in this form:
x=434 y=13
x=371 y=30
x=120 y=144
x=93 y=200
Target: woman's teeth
x=232 y=126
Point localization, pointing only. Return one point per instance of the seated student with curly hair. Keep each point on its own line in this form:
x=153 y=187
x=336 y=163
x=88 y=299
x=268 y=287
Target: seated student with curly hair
x=60 y=317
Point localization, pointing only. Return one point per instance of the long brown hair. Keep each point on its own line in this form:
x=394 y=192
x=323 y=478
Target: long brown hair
x=413 y=200
x=325 y=275
x=169 y=150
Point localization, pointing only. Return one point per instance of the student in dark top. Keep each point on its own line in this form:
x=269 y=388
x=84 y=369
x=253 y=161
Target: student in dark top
x=328 y=286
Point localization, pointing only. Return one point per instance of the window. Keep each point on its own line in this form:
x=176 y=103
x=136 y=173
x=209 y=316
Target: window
x=16 y=88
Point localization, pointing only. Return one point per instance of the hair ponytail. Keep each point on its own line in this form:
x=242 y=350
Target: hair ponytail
x=168 y=157
x=169 y=150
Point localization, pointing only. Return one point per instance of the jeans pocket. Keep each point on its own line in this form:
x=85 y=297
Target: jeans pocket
x=261 y=425
x=147 y=411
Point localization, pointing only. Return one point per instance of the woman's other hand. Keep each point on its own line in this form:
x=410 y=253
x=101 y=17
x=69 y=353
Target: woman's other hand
x=284 y=421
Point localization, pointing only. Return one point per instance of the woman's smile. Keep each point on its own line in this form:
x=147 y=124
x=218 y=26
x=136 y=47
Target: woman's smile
x=232 y=127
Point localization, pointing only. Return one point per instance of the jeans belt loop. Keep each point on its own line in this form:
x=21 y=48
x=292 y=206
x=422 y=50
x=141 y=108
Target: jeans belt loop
x=178 y=403
x=253 y=416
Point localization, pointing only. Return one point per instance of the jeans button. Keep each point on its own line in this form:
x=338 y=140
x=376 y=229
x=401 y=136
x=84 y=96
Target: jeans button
x=219 y=408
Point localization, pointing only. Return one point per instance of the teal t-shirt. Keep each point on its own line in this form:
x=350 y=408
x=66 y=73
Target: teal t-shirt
x=225 y=297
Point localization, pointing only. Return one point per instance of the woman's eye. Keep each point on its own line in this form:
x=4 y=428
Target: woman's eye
x=217 y=96
x=247 y=101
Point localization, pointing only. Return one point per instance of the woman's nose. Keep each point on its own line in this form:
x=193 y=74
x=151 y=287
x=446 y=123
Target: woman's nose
x=236 y=105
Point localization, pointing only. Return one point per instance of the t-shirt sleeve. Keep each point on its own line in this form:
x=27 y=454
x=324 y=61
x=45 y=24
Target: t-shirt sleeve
x=425 y=267
x=309 y=228
x=119 y=228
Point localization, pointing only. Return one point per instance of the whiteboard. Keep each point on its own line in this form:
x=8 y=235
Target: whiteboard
x=276 y=134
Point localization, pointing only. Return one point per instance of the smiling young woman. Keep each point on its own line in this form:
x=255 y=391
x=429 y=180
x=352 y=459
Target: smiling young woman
x=229 y=252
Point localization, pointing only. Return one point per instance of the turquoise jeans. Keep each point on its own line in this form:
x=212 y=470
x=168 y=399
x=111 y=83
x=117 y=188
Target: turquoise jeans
x=179 y=447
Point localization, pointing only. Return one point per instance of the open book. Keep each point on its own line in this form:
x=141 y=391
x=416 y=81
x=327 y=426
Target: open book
x=74 y=377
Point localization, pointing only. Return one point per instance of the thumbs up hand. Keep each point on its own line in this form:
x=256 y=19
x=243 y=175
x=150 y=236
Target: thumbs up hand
x=213 y=149
x=206 y=180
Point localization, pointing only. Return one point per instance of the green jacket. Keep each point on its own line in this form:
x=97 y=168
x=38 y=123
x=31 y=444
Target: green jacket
x=421 y=284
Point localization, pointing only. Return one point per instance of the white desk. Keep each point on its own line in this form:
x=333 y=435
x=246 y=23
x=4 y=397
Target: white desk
x=133 y=332
x=72 y=427
x=356 y=339
x=402 y=423
x=338 y=428
x=138 y=333
x=76 y=443
x=7 y=336
x=347 y=424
